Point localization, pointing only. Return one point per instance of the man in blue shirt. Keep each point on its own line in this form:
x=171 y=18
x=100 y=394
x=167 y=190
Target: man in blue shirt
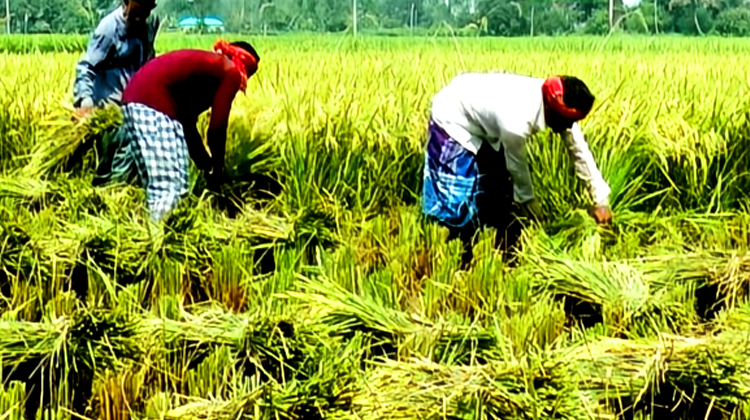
x=121 y=44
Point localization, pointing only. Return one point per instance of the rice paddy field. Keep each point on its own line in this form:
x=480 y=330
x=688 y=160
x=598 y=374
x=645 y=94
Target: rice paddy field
x=312 y=288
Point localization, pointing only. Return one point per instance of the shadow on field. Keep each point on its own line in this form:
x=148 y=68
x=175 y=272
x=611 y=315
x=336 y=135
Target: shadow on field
x=710 y=300
x=580 y=313
x=232 y=197
x=5 y=286
x=707 y=302
x=78 y=281
x=671 y=403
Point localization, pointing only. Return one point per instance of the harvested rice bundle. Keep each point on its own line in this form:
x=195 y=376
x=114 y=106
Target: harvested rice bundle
x=628 y=295
x=104 y=340
x=25 y=189
x=320 y=385
x=727 y=273
x=30 y=252
x=587 y=381
x=68 y=142
x=121 y=251
x=424 y=389
x=197 y=231
x=272 y=348
x=94 y=338
x=675 y=370
x=267 y=401
x=343 y=313
x=59 y=359
x=31 y=341
x=243 y=407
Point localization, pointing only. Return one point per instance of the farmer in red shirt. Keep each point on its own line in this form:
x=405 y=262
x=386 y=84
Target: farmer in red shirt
x=161 y=105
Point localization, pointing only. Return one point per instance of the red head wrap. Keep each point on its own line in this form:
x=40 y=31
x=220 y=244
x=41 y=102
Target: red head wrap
x=552 y=90
x=243 y=60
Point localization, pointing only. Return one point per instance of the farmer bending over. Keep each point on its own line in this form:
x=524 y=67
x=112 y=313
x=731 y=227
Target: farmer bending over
x=476 y=161
x=160 y=108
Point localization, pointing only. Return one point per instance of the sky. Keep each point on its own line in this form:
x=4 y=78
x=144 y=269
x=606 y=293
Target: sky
x=631 y=3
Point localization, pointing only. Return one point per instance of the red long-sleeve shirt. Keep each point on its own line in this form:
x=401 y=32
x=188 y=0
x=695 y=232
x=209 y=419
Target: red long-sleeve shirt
x=183 y=84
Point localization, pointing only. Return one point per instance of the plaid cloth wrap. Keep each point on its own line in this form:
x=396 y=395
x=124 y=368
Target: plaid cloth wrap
x=451 y=180
x=154 y=145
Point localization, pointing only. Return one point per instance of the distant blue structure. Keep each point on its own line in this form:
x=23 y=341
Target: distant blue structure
x=212 y=24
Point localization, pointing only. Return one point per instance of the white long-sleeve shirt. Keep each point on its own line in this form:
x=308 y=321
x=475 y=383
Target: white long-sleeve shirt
x=505 y=109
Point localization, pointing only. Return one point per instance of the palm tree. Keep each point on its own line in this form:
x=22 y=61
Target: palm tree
x=6 y=19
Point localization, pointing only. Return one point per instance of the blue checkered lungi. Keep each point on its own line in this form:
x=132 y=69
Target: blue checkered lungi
x=451 y=180
x=154 y=145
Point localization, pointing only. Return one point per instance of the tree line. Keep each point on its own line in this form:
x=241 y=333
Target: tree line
x=401 y=17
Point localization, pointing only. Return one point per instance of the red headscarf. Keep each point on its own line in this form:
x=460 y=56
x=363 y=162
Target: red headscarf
x=552 y=89
x=243 y=60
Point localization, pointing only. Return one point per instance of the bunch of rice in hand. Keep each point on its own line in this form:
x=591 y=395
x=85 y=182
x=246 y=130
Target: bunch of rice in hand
x=67 y=141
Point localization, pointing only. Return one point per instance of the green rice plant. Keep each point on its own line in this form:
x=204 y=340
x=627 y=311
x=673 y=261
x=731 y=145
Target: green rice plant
x=16 y=43
x=11 y=400
x=233 y=268
x=116 y=395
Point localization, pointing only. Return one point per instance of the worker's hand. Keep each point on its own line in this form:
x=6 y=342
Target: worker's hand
x=533 y=210
x=84 y=112
x=602 y=215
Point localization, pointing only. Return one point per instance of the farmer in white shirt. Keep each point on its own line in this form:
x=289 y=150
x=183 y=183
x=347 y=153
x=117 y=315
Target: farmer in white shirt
x=476 y=164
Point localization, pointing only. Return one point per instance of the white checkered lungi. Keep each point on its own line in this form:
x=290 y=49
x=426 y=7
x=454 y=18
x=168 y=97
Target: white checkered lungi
x=157 y=144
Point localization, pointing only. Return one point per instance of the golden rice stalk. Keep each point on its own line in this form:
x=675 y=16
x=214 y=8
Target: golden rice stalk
x=424 y=389
x=24 y=341
x=200 y=409
x=24 y=187
x=68 y=140
x=712 y=366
